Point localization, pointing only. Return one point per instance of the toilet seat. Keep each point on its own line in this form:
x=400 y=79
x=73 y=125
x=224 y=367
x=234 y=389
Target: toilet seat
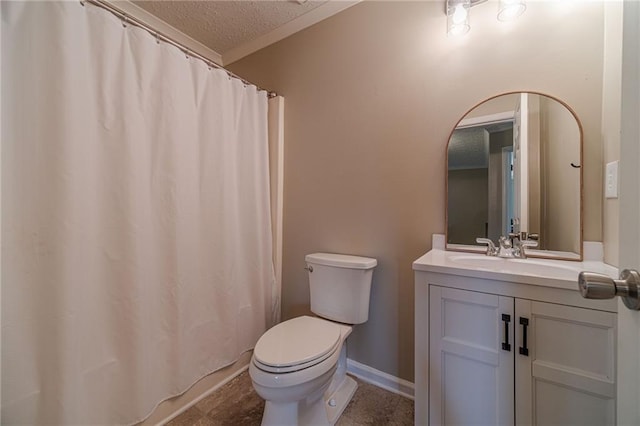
x=296 y=344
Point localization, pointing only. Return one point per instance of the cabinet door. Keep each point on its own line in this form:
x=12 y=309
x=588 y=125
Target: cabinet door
x=470 y=374
x=567 y=377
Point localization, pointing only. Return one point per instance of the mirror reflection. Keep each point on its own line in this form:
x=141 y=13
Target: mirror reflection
x=514 y=166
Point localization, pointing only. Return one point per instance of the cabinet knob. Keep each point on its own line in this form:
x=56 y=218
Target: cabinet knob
x=599 y=286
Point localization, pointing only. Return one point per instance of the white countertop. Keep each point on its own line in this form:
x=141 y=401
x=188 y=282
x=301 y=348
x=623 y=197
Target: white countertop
x=543 y=272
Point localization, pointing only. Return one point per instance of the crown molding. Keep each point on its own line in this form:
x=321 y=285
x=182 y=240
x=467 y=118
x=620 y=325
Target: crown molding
x=161 y=26
x=310 y=18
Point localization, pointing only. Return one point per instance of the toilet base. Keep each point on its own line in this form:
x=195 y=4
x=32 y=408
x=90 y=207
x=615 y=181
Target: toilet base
x=323 y=397
x=324 y=411
x=338 y=401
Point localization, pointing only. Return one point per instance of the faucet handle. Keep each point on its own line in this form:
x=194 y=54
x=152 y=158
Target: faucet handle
x=523 y=245
x=513 y=236
x=524 y=235
x=491 y=248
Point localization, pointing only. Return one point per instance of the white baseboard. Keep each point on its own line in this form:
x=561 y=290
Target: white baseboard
x=380 y=379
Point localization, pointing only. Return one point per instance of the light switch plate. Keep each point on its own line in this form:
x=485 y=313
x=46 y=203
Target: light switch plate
x=611 y=180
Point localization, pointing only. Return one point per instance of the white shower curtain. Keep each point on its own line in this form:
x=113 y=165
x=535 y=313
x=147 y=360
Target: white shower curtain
x=136 y=240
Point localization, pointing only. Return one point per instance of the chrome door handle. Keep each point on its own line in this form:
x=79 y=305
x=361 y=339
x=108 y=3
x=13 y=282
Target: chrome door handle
x=599 y=286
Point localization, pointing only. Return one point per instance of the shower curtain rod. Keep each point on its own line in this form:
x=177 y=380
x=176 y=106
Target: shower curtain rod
x=128 y=19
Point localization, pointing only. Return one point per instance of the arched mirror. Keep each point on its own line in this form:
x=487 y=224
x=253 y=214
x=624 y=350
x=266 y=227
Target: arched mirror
x=514 y=166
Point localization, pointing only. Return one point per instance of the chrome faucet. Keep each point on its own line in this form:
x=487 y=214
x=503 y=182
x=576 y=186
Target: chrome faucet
x=492 y=250
x=513 y=246
x=507 y=247
x=520 y=242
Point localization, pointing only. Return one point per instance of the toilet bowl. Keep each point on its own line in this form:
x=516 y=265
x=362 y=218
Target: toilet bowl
x=299 y=366
x=293 y=368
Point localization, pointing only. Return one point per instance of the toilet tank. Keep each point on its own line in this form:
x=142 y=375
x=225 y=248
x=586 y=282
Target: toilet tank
x=340 y=286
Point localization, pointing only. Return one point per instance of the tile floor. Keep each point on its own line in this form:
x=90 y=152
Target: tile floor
x=237 y=404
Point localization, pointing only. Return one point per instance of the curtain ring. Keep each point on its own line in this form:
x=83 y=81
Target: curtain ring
x=157 y=38
x=125 y=21
x=82 y=2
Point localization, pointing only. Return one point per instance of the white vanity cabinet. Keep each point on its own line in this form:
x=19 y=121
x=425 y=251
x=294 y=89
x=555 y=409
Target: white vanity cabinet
x=496 y=348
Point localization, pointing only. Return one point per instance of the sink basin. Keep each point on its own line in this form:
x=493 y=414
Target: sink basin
x=532 y=271
x=517 y=266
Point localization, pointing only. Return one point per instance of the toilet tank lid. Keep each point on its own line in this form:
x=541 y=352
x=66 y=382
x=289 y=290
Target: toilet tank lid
x=341 y=260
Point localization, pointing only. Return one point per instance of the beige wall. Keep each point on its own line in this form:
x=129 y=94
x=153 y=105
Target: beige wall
x=505 y=103
x=372 y=95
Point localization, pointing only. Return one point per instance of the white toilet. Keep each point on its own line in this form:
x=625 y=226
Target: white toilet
x=299 y=366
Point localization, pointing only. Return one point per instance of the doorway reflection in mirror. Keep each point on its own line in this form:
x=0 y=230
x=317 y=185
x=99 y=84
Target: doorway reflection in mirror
x=510 y=169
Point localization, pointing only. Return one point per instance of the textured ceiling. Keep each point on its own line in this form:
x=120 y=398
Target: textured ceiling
x=223 y=25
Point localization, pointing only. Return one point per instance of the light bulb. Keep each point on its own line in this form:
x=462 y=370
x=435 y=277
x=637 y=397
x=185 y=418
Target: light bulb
x=510 y=9
x=457 y=30
x=459 y=15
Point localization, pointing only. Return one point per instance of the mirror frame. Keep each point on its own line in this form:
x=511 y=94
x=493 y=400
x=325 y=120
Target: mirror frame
x=541 y=254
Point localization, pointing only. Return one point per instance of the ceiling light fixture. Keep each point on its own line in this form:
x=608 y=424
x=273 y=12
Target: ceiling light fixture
x=458 y=13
